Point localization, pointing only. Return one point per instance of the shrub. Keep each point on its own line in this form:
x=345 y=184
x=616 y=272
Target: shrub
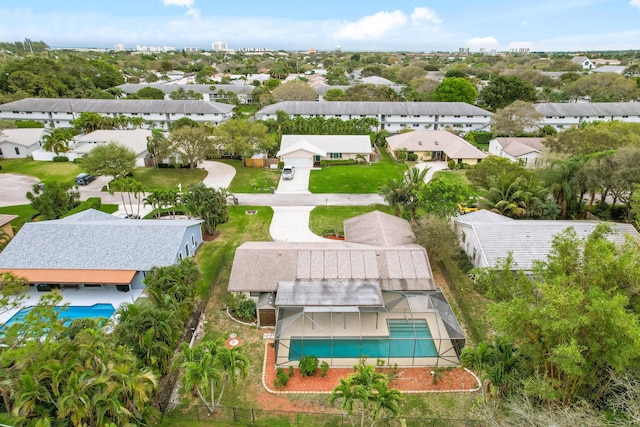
x=451 y=164
x=246 y=310
x=90 y=203
x=308 y=366
x=340 y=162
x=324 y=368
x=281 y=379
x=26 y=124
x=412 y=157
x=60 y=159
x=281 y=165
x=290 y=371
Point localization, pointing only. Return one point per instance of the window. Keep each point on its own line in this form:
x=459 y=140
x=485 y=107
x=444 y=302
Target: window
x=186 y=249
x=456 y=116
x=255 y=294
x=403 y=115
x=335 y=156
x=180 y=256
x=193 y=240
x=17 y=150
x=1 y=152
x=416 y=125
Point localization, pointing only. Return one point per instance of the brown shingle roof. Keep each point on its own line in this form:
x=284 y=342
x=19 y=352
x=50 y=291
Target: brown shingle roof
x=435 y=140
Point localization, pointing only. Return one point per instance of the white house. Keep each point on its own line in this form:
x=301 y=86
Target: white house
x=438 y=145
x=584 y=62
x=526 y=151
x=392 y=116
x=488 y=237
x=20 y=143
x=61 y=112
x=134 y=139
x=308 y=150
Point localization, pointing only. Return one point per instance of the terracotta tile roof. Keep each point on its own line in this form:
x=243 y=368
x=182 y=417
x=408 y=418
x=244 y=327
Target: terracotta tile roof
x=90 y=277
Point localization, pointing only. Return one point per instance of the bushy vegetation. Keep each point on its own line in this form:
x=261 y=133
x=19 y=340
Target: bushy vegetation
x=308 y=365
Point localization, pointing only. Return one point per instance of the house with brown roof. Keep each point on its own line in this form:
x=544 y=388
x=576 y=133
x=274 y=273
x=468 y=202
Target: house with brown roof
x=5 y=224
x=372 y=295
x=526 y=151
x=435 y=145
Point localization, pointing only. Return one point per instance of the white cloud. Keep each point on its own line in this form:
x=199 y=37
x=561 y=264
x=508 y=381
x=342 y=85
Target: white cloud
x=426 y=15
x=488 y=42
x=635 y=3
x=372 y=26
x=524 y=23
x=191 y=11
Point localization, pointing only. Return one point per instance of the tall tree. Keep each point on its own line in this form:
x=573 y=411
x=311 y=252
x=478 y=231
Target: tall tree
x=208 y=204
x=455 y=89
x=516 y=118
x=110 y=159
x=53 y=200
x=193 y=144
x=232 y=364
x=294 y=90
x=503 y=90
x=57 y=141
x=243 y=138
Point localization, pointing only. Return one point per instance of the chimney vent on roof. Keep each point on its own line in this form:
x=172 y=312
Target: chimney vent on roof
x=435 y=142
x=419 y=142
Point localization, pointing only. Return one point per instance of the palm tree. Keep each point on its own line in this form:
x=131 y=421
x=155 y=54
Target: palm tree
x=232 y=362
x=57 y=141
x=131 y=187
x=384 y=400
x=414 y=182
x=200 y=371
x=344 y=391
x=394 y=193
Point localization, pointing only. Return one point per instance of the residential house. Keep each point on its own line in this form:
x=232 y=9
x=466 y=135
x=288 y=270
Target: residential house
x=565 y=115
x=436 y=145
x=584 y=62
x=92 y=249
x=61 y=112
x=392 y=116
x=372 y=295
x=134 y=139
x=20 y=143
x=308 y=150
x=525 y=151
x=488 y=237
x=5 y=225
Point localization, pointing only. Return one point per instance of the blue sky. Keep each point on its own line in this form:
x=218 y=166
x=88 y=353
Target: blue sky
x=373 y=25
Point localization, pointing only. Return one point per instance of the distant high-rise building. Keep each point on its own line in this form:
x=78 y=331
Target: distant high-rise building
x=219 y=46
x=119 y=48
x=463 y=50
x=482 y=50
x=191 y=49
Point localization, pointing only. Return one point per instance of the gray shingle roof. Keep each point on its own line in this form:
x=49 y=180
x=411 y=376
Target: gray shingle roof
x=435 y=140
x=375 y=108
x=519 y=146
x=378 y=229
x=95 y=240
x=23 y=137
x=531 y=240
x=118 y=106
x=589 y=109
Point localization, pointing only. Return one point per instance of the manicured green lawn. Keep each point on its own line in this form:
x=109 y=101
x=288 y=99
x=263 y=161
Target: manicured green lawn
x=252 y=180
x=453 y=176
x=355 y=178
x=329 y=219
x=24 y=212
x=58 y=172
x=169 y=178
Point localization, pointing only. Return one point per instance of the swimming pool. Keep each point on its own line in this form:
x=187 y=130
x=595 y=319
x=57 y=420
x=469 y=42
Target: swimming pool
x=407 y=338
x=70 y=313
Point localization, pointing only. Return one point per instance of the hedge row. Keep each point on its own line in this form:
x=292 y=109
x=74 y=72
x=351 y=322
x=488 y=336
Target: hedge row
x=90 y=203
x=345 y=162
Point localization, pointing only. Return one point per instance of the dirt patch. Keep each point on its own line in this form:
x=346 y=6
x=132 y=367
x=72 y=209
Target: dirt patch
x=209 y=237
x=404 y=379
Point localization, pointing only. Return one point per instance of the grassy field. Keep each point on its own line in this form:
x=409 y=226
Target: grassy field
x=252 y=180
x=329 y=219
x=453 y=176
x=26 y=212
x=168 y=178
x=47 y=172
x=356 y=178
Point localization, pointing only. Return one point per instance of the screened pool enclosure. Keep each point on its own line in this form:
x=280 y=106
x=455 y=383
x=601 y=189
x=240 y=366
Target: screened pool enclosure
x=344 y=322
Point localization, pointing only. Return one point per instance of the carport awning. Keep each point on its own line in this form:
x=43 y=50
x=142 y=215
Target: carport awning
x=329 y=294
x=63 y=277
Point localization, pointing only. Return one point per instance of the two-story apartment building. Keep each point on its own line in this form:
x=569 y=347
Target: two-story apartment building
x=60 y=112
x=565 y=115
x=210 y=92
x=392 y=116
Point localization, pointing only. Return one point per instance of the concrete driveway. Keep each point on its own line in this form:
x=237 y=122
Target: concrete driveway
x=13 y=188
x=433 y=168
x=291 y=224
x=219 y=174
x=298 y=185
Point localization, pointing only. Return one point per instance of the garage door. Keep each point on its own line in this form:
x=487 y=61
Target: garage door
x=299 y=162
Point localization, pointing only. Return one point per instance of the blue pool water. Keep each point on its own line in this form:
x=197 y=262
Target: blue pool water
x=70 y=313
x=407 y=338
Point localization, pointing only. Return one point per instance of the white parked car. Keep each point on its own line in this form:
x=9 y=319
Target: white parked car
x=288 y=172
